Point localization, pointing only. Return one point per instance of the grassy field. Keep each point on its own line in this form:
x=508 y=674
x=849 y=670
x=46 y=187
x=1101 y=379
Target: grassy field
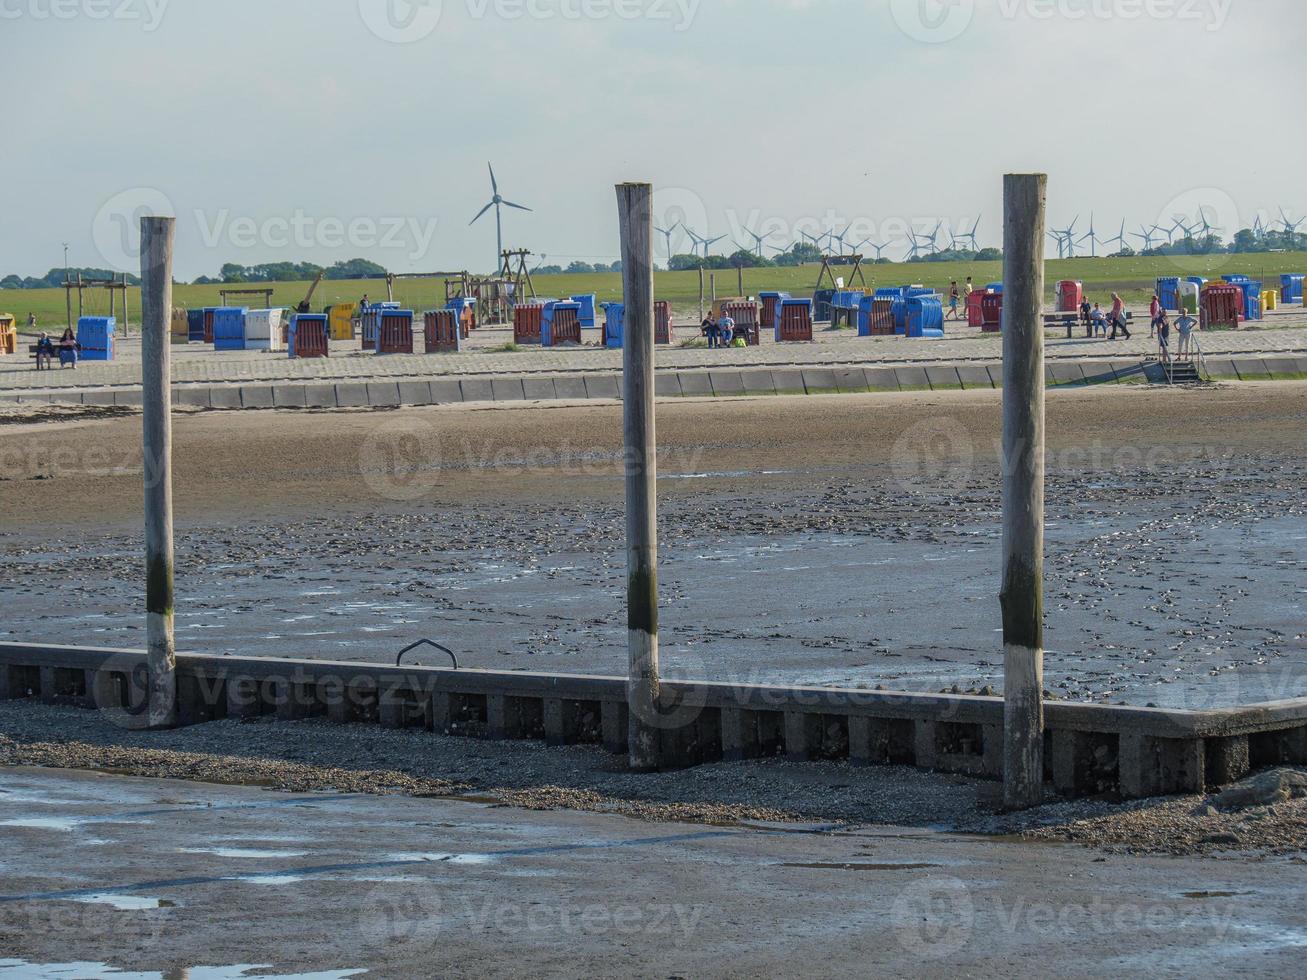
x=1132 y=277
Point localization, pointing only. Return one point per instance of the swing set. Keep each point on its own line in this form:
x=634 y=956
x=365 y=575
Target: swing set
x=111 y=286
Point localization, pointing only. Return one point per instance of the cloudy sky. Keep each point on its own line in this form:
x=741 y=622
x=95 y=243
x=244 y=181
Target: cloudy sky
x=328 y=129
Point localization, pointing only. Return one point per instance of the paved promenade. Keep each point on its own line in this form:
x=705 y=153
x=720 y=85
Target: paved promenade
x=1283 y=333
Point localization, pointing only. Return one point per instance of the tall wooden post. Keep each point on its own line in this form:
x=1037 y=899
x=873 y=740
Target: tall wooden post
x=739 y=280
x=156 y=310
x=701 y=294
x=68 y=301
x=1024 y=199
x=635 y=211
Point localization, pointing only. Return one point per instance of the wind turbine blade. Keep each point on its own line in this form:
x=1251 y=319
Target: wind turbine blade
x=520 y=207
x=494 y=184
x=480 y=213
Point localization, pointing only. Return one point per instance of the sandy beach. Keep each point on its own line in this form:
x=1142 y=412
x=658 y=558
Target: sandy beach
x=849 y=540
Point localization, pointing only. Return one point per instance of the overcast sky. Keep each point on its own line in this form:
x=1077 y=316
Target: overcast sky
x=329 y=129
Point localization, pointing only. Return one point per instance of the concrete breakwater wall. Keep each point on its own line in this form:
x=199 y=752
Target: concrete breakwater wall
x=1091 y=749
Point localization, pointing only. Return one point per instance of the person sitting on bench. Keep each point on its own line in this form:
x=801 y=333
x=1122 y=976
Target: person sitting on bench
x=1098 y=320
x=68 y=347
x=726 y=326
x=712 y=331
x=44 y=352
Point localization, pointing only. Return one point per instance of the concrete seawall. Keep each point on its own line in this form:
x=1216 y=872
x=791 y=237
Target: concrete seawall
x=713 y=383
x=1091 y=749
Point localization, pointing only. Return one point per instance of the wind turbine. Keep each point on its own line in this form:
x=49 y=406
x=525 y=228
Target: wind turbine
x=1291 y=227
x=495 y=203
x=1119 y=239
x=1259 y=229
x=933 y=237
x=668 y=233
x=695 y=240
x=758 y=240
x=841 y=238
x=879 y=248
x=1061 y=243
x=815 y=240
x=971 y=236
x=1146 y=235
x=1068 y=236
x=914 y=249
x=1204 y=223
x=1179 y=226
x=709 y=243
x=1092 y=238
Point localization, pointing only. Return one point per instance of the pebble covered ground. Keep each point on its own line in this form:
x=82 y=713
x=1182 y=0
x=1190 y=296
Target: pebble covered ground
x=309 y=756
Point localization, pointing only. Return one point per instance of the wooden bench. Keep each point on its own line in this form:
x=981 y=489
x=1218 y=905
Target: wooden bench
x=1071 y=319
x=32 y=350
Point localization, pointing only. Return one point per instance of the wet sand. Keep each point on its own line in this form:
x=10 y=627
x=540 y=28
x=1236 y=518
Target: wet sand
x=842 y=540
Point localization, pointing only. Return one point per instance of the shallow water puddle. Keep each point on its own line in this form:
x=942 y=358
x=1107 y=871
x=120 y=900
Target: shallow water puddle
x=464 y=859
x=266 y=879
x=125 y=903
x=64 y=824
x=859 y=866
x=16 y=969
x=241 y=852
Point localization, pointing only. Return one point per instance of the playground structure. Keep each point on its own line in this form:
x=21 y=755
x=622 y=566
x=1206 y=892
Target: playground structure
x=492 y=298
x=111 y=286
x=264 y=294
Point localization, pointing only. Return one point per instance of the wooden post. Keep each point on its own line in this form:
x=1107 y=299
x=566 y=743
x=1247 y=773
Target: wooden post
x=156 y=310
x=739 y=280
x=68 y=301
x=701 y=294
x=635 y=213
x=712 y=286
x=1024 y=200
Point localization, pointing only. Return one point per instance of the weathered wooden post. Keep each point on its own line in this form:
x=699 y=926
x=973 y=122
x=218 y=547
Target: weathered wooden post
x=701 y=294
x=156 y=311
x=1024 y=199
x=739 y=279
x=635 y=211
